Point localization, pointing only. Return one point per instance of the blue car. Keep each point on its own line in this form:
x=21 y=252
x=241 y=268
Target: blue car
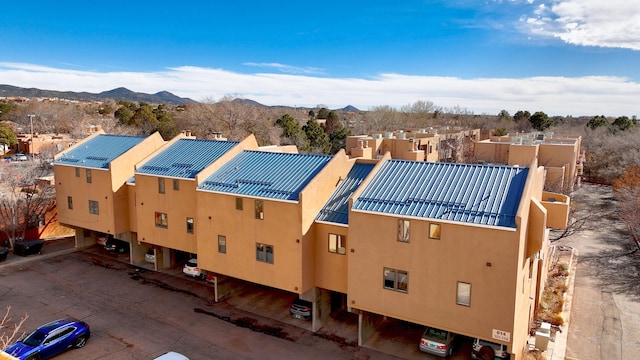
x=51 y=339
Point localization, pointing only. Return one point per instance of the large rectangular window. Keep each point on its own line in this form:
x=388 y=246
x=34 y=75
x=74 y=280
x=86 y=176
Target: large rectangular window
x=190 y=225
x=394 y=279
x=259 y=210
x=161 y=185
x=161 y=220
x=404 y=231
x=88 y=173
x=337 y=244
x=93 y=207
x=70 y=202
x=222 y=244
x=463 y=294
x=264 y=253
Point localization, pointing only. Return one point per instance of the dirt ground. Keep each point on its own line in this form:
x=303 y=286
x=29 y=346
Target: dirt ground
x=605 y=313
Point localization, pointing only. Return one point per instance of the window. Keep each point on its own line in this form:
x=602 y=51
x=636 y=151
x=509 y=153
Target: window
x=93 y=207
x=222 y=244
x=69 y=202
x=88 y=172
x=161 y=220
x=259 y=210
x=264 y=253
x=176 y=184
x=190 y=225
x=77 y=172
x=160 y=185
x=434 y=231
x=238 y=203
x=337 y=244
x=530 y=268
x=403 y=230
x=397 y=280
x=463 y=294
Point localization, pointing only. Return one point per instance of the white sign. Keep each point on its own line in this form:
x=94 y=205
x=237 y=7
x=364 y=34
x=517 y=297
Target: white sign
x=501 y=335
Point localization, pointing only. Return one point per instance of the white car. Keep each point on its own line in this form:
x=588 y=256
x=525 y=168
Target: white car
x=172 y=355
x=191 y=268
x=20 y=157
x=150 y=256
x=481 y=346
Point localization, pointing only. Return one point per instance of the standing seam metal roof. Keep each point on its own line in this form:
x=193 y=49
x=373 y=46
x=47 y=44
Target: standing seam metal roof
x=266 y=174
x=477 y=194
x=336 y=210
x=99 y=151
x=185 y=158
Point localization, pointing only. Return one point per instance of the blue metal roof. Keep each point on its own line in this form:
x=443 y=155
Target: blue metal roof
x=185 y=158
x=99 y=151
x=266 y=174
x=336 y=210
x=476 y=194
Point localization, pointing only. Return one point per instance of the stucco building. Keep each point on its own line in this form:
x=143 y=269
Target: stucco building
x=460 y=247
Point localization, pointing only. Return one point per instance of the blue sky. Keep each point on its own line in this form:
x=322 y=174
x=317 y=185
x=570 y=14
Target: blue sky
x=563 y=57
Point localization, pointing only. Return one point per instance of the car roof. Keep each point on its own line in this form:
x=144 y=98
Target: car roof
x=47 y=328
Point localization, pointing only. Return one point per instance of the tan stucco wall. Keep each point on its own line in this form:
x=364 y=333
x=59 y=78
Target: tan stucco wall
x=522 y=155
x=331 y=268
x=177 y=204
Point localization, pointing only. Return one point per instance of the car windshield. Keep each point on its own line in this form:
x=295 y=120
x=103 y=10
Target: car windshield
x=34 y=339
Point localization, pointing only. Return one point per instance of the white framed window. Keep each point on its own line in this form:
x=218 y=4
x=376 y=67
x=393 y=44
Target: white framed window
x=337 y=244
x=463 y=294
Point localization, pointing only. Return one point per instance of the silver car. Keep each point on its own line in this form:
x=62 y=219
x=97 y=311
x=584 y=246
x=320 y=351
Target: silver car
x=437 y=342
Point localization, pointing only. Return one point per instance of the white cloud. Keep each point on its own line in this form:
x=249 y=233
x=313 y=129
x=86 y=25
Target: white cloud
x=611 y=23
x=288 y=69
x=594 y=95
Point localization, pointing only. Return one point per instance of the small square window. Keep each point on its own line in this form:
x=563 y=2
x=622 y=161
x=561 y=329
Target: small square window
x=190 y=225
x=238 y=203
x=93 y=207
x=222 y=244
x=259 y=211
x=337 y=244
x=389 y=279
x=176 y=184
x=161 y=220
x=434 y=231
x=264 y=253
x=88 y=173
x=77 y=172
x=404 y=231
x=70 y=202
x=161 y=185
x=463 y=294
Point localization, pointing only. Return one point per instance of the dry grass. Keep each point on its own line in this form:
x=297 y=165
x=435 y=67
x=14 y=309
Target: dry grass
x=552 y=303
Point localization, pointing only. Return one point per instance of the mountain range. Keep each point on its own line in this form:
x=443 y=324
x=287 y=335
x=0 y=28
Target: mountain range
x=120 y=94
x=162 y=97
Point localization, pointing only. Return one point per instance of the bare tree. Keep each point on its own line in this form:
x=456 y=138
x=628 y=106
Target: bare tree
x=9 y=329
x=24 y=200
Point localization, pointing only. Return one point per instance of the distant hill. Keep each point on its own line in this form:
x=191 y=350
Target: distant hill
x=162 y=97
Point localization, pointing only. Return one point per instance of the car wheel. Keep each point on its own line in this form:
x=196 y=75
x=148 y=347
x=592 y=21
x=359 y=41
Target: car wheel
x=33 y=357
x=80 y=341
x=486 y=353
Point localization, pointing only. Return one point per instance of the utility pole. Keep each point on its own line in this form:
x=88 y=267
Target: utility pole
x=31 y=147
